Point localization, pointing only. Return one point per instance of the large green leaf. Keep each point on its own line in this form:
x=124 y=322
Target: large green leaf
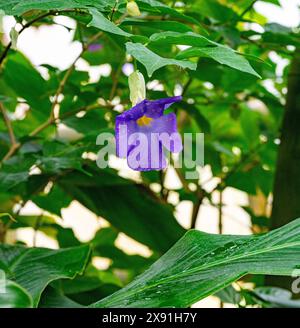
x=15 y=296
x=18 y=7
x=20 y=75
x=133 y=209
x=188 y=38
x=34 y=268
x=152 y=61
x=223 y=55
x=201 y=264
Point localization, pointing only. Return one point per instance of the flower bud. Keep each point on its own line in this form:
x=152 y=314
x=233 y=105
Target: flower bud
x=14 y=34
x=137 y=87
x=133 y=9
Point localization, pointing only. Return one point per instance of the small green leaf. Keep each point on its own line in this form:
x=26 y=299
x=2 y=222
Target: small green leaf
x=152 y=61
x=102 y=23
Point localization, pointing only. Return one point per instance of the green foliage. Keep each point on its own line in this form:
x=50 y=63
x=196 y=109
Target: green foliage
x=15 y=297
x=34 y=268
x=233 y=78
x=207 y=263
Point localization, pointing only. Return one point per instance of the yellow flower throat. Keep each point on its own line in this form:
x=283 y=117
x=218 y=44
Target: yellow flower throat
x=144 y=120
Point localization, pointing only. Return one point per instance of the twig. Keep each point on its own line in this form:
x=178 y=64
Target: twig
x=186 y=86
x=14 y=144
x=196 y=208
x=113 y=10
x=244 y=12
x=36 y=228
x=8 y=124
x=52 y=119
x=49 y=122
x=68 y=73
x=220 y=208
x=115 y=78
x=5 y=52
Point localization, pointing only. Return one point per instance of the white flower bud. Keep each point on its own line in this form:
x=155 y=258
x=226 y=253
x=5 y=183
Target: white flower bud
x=137 y=87
x=133 y=9
x=14 y=34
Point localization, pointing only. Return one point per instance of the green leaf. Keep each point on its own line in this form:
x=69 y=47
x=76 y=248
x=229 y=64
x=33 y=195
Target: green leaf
x=215 y=10
x=158 y=25
x=276 y=297
x=52 y=298
x=18 y=7
x=223 y=55
x=188 y=38
x=26 y=81
x=152 y=61
x=133 y=209
x=229 y=295
x=54 y=201
x=201 y=264
x=34 y=268
x=101 y=22
x=15 y=296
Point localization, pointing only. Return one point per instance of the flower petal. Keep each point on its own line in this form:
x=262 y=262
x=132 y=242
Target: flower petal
x=155 y=108
x=145 y=152
x=135 y=112
x=166 y=125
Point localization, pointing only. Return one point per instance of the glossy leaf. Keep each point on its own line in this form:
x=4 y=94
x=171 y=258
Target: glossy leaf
x=34 y=268
x=15 y=296
x=201 y=264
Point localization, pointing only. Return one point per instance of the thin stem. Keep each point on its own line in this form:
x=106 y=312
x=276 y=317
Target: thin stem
x=8 y=124
x=113 y=10
x=244 y=12
x=68 y=73
x=36 y=228
x=52 y=119
x=186 y=86
x=49 y=122
x=115 y=78
x=220 y=223
x=220 y=214
x=5 y=52
x=12 y=138
x=196 y=208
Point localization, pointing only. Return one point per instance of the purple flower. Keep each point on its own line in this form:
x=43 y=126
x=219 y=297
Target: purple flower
x=144 y=131
x=95 y=47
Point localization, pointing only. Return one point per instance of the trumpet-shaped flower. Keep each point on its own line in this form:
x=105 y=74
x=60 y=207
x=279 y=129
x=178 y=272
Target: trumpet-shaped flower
x=144 y=131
